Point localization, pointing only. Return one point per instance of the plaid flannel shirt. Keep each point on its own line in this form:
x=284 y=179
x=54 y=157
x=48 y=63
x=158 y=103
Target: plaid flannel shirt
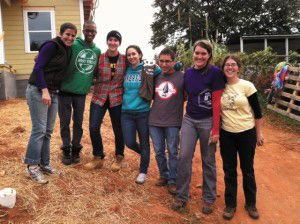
x=108 y=86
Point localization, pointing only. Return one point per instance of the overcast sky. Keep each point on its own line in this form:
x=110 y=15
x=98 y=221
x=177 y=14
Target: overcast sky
x=132 y=18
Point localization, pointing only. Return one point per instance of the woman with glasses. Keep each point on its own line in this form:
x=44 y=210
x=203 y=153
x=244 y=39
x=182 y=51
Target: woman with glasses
x=204 y=84
x=240 y=132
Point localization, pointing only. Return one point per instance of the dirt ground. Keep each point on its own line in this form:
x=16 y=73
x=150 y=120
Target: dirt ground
x=101 y=196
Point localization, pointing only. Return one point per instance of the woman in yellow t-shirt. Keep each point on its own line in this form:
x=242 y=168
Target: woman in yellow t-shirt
x=240 y=132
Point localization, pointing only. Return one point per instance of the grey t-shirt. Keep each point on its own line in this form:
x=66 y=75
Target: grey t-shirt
x=167 y=107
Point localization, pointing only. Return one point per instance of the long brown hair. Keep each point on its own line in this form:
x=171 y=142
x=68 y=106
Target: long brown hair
x=208 y=47
x=138 y=50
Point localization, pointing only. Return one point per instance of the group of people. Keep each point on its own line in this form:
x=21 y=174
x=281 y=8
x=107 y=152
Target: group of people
x=220 y=106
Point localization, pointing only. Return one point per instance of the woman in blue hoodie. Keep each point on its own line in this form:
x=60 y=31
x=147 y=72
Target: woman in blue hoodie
x=135 y=110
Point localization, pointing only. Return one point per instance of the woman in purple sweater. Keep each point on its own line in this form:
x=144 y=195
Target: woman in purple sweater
x=41 y=95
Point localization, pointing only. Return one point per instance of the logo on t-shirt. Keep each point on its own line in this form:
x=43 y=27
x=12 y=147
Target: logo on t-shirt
x=166 y=90
x=86 y=61
x=204 y=99
x=228 y=100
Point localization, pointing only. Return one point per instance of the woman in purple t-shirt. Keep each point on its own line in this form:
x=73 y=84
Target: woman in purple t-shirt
x=204 y=85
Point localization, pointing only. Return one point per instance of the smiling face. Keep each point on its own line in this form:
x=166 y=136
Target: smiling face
x=89 y=32
x=231 y=69
x=113 y=44
x=133 y=57
x=68 y=37
x=200 y=57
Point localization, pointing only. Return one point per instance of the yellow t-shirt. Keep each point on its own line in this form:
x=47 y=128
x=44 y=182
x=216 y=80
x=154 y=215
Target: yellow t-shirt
x=236 y=112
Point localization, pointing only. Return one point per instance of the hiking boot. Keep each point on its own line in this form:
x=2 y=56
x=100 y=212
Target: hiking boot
x=207 y=208
x=161 y=182
x=96 y=163
x=49 y=170
x=36 y=174
x=66 y=158
x=252 y=211
x=141 y=178
x=172 y=189
x=228 y=213
x=116 y=166
x=178 y=205
x=75 y=155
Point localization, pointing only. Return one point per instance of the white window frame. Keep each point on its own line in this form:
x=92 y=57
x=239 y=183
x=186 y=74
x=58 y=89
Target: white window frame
x=26 y=31
x=2 y=55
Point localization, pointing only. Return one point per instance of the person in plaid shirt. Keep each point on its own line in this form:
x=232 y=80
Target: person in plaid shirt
x=107 y=95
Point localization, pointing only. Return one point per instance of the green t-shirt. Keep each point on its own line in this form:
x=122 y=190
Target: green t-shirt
x=81 y=68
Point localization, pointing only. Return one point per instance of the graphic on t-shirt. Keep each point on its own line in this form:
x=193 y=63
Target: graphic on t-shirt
x=228 y=100
x=132 y=78
x=113 y=69
x=165 y=90
x=204 y=99
x=86 y=61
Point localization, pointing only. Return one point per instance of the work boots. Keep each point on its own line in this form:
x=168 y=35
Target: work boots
x=116 y=166
x=96 y=163
x=75 y=154
x=66 y=157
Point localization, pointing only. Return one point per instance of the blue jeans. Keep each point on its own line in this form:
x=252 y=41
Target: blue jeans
x=43 y=120
x=191 y=131
x=133 y=122
x=160 y=136
x=96 y=117
x=67 y=104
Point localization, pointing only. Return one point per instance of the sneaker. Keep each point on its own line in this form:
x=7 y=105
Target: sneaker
x=178 y=205
x=116 y=166
x=207 y=208
x=252 y=211
x=172 y=189
x=36 y=174
x=96 y=163
x=228 y=213
x=141 y=178
x=49 y=170
x=161 y=182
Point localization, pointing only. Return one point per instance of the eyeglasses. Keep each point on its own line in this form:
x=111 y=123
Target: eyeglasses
x=231 y=65
x=90 y=31
x=166 y=61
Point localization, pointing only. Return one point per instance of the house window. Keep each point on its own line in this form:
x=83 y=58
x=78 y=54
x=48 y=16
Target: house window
x=39 y=27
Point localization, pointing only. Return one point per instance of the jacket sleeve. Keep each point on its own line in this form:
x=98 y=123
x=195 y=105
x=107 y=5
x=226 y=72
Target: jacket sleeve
x=45 y=54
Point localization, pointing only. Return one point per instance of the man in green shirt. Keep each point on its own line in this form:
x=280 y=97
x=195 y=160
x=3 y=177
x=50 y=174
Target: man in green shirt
x=81 y=71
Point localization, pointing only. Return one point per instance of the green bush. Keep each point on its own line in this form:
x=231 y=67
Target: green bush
x=185 y=55
x=258 y=66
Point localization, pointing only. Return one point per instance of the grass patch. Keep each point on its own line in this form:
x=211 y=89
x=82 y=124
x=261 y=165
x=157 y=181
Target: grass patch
x=281 y=121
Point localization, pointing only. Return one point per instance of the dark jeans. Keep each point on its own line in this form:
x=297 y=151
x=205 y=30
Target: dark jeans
x=133 y=122
x=67 y=103
x=96 y=117
x=244 y=144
